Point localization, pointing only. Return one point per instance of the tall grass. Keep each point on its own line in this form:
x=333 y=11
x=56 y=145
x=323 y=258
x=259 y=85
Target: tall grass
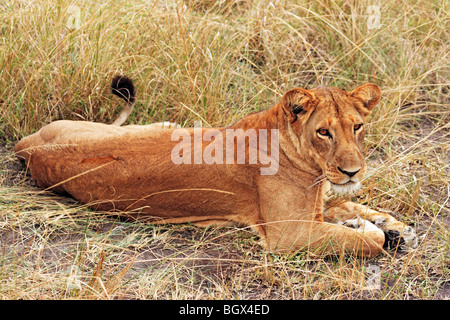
x=216 y=61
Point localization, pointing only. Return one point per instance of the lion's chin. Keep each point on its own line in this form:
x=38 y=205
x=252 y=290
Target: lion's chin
x=345 y=188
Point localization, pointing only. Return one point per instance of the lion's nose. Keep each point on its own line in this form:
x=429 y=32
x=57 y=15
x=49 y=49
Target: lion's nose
x=349 y=173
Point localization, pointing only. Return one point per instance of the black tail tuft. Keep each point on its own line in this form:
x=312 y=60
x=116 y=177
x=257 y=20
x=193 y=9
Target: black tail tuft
x=123 y=87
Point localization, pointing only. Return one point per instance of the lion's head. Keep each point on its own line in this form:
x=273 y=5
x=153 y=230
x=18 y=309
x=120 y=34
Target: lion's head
x=329 y=125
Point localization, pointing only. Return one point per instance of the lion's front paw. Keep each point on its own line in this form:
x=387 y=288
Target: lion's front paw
x=397 y=234
x=403 y=238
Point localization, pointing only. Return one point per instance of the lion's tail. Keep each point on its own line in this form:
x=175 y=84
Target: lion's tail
x=123 y=87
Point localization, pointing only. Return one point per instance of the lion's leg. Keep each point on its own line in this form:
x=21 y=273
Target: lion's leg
x=362 y=238
x=291 y=220
x=397 y=233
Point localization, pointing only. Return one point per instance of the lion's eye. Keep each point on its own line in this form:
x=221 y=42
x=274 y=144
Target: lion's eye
x=358 y=126
x=323 y=132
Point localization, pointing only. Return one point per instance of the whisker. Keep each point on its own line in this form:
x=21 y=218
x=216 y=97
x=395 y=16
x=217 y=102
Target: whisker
x=319 y=177
x=318 y=180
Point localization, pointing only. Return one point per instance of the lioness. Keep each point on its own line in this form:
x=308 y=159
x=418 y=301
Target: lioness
x=130 y=170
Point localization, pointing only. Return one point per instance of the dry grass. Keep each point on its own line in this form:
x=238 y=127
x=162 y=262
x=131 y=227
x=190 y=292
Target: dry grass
x=216 y=61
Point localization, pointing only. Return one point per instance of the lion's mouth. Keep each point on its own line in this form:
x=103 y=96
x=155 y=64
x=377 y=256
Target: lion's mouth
x=345 y=188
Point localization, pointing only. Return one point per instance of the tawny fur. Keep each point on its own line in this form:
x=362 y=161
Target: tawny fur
x=128 y=170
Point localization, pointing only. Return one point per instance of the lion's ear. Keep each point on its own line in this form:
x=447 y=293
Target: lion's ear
x=369 y=93
x=297 y=101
